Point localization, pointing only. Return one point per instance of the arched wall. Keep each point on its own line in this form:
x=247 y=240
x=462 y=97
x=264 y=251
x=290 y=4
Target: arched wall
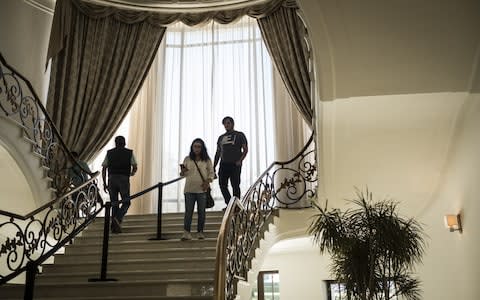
x=21 y=177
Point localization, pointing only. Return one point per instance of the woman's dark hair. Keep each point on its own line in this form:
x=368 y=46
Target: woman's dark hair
x=203 y=153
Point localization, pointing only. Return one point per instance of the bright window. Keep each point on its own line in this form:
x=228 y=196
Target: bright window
x=211 y=72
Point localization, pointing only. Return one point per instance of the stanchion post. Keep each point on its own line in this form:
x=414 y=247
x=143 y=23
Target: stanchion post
x=32 y=270
x=159 y=213
x=106 y=237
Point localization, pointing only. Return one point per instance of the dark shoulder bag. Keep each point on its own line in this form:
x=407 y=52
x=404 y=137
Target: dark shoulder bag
x=210 y=201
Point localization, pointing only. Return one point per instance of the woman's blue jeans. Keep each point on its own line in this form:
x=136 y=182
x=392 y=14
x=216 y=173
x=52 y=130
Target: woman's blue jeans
x=190 y=199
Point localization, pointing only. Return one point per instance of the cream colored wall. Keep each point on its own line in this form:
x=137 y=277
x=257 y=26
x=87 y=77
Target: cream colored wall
x=451 y=268
x=397 y=145
x=302 y=270
x=14 y=186
x=24 y=33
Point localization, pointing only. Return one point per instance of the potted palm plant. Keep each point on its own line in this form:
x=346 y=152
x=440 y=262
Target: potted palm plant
x=373 y=249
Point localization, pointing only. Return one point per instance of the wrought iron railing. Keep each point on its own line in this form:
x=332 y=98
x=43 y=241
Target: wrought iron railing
x=20 y=103
x=283 y=184
x=27 y=241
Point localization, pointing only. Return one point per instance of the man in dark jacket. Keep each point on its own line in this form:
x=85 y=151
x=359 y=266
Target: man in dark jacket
x=121 y=164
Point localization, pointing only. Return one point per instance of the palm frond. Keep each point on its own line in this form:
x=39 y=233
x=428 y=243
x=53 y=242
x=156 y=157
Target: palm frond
x=371 y=247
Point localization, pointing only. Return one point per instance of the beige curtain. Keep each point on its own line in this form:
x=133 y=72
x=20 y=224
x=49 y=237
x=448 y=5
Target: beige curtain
x=145 y=136
x=291 y=130
x=96 y=76
x=283 y=33
x=291 y=135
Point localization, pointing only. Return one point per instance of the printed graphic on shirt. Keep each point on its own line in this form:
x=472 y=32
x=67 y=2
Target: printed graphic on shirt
x=228 y=139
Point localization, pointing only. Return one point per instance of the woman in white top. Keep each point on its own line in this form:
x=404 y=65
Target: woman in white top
x=195 y=188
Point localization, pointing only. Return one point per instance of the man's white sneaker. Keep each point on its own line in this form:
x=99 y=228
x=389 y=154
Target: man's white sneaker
x=186 y=236
x=200 y=236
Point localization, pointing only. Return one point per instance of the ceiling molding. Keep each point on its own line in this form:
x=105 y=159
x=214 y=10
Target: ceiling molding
x=47 y=6
x=179 y=5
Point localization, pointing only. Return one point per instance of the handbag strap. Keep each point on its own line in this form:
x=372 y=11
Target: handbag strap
x=203 y=179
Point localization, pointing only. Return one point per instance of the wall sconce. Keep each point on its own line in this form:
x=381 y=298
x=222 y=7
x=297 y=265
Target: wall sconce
x=453 y=222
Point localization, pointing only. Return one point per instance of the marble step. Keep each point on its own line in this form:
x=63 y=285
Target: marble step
x=114 y=289
x=138 y=236
x=118 y=255
x=144 y=244
x=133 y=264
x=138 y=228
x=123 y=298
x=170 y=216
x=132 y=298
x=133 y=275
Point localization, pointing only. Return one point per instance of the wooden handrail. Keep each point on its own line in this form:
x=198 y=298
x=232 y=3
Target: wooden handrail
x=221 y=257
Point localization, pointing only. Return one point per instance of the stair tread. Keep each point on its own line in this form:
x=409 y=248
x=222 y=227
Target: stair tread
x=127 y=298
x=169 y=215
x=125 y=251
x=127 y=225
x=99 y=242
x=140 y=260
x=123 y=282
x=147 y=231
x=112 y=273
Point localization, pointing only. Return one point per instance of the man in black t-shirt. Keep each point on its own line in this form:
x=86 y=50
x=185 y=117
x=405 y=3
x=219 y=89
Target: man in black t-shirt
x=232 y=147
x=121 y=164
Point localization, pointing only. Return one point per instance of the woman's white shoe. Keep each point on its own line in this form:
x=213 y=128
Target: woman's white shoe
x=186 y=236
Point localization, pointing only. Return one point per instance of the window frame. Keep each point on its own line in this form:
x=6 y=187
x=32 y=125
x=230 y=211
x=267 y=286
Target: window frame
x=261 y=283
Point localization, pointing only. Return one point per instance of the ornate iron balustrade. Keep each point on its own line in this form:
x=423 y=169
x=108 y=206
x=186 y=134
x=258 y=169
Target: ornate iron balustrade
x=35 y=237
x=283 y=184
x=20 y=103
x=27 y=241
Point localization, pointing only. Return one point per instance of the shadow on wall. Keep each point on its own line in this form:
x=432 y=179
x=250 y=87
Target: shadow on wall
x=16 y=195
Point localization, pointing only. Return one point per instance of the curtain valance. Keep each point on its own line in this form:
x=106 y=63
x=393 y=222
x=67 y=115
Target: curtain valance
x=63 y=14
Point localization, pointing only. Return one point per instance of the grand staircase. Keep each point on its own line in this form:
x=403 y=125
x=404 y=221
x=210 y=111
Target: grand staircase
x=143 y=268
x=138 y=267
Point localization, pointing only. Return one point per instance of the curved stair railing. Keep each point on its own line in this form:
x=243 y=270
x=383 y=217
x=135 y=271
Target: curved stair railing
x=283 y=184
x=20 y=104
x=30 y=240
x=27 y=241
